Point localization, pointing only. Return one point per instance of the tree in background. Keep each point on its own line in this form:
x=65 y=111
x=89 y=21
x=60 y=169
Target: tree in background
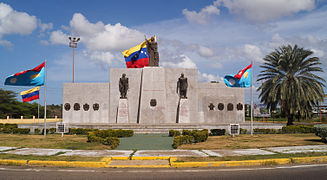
x=289 y=80
x=10 y=106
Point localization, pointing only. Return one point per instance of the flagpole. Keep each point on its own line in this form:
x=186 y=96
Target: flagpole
x=38 y=110
x=45 y=99
x=252 y=72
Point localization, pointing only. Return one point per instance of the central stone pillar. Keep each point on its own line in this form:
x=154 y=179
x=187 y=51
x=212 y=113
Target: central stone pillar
x=153 y=96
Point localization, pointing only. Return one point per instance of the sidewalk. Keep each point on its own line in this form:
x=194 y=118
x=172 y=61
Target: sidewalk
x=161 y=158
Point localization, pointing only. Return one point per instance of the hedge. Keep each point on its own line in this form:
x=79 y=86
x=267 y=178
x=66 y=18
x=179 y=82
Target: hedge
x=298 y=129
x=173 y=133
x=321 y=131
x=189 y=137
x=103 y=133
x=93 y=136
x=217 y=132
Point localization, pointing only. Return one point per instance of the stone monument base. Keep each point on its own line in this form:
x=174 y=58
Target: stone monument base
x=122 y=113
x=184 y=111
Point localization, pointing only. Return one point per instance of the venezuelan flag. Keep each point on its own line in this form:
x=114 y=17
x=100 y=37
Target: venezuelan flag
x=241 y=79
x=137 y=57
x=31 y=94
x=31 y=77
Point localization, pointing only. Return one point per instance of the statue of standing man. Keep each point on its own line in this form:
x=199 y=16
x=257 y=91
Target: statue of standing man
x=123 y=86
x=152 y=48
x=182 y=86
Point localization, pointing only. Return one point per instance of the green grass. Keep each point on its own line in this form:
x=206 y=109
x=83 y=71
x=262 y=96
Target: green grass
x=48 y=158
x=252 y=157
x=146 y=142
x=53 y=141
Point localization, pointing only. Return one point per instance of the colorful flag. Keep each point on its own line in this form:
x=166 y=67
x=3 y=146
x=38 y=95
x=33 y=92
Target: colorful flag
x=241 y=79
x=137 y=57
x=31 y=94
x=31 y=77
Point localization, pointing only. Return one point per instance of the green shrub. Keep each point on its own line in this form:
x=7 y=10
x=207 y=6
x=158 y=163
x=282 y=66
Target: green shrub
x=52 y=130
x=6 y=130
x=113 y=142
x=189 y=137
x=217 y=132
x=186 y=132
x=21 y=130
x=11 y=125
x=266 y=131
x=47 y=131
x=321 y=131
x=37 y=131
x=243 y=131
x=79 y=131
x=183 y=139
x=1 y=125
x=297 y=129
x=173 y=133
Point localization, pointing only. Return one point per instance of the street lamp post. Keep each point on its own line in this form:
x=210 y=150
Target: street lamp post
x=73 y=44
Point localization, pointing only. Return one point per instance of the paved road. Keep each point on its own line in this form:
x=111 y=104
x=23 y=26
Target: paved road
x=299 y=172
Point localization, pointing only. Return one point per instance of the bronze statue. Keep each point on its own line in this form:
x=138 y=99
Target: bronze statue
x=182 y=86
x=152 y=48
x=123 y=86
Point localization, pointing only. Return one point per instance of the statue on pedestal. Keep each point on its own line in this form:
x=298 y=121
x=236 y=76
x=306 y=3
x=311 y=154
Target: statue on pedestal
x=152 y=48
x=182 y=86
x=123 y=86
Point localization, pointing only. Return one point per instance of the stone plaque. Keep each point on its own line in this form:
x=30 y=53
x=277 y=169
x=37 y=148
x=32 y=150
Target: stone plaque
x=67 y=106
x=153 y=102
x=77 y=107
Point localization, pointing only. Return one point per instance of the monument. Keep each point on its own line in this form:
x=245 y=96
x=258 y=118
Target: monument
x=148 y=100
x=152 y=48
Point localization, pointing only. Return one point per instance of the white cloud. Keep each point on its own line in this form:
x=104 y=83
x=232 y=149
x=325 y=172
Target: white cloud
x=183 y=62
x=14 y=22
x=58 y=37
x=104 y=37
x=204 y=77
x=5 y=43
x=44 y=27
x=253 y=52
x=103 y=57
x=266 y=10
x=318 y=52
x=203 y=16
x=205 y=52
x=44 y=42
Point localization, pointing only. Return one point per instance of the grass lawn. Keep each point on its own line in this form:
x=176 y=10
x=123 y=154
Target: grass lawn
x=53 y=141
x=48 y=158
x=252 y=157
x=245 y=141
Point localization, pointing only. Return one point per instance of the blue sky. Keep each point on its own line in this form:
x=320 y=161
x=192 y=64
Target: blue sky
x=217 y=37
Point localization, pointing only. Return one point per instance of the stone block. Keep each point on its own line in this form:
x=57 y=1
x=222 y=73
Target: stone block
x=184 y=111
x=122 y=115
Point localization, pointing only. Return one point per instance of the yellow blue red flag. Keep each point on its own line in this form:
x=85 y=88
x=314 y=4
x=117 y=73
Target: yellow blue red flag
x=31 y=94
x=137 y=56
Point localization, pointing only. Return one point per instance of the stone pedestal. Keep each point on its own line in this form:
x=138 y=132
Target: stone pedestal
x=184 y=111
x=122 y=114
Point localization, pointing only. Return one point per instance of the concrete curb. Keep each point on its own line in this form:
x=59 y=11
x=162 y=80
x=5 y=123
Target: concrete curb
x=105 y=162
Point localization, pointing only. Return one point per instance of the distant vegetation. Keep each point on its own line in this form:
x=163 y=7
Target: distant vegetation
x=10 y=106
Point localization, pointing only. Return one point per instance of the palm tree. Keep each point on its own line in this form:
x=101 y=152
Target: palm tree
x=289 y=81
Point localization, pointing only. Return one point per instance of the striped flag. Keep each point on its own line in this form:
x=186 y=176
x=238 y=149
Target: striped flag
x=31 y=94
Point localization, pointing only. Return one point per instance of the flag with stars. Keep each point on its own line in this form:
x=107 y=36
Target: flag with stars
x=241 y=79
x=137 y=57
x=31 y=77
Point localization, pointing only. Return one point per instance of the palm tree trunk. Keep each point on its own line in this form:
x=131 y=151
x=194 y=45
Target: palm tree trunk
x=290 y=119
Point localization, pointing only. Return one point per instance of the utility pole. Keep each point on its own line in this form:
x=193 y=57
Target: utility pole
x=73 y=44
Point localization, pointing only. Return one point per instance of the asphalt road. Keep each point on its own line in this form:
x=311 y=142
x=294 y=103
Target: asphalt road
x=298 y=172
